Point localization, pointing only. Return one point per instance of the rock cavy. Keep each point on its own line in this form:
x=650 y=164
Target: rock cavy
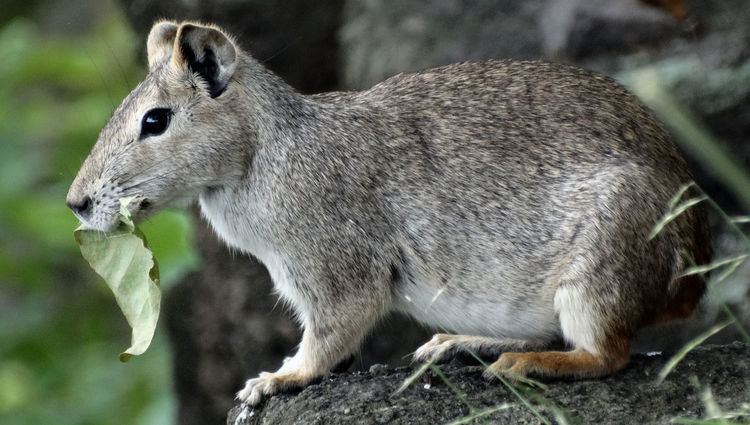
x=507 y=202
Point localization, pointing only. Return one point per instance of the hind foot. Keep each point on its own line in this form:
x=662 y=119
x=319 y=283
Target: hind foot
x=556 y=364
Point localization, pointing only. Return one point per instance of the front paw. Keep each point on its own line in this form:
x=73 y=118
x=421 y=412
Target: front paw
x=268 y=384
x=439 y=349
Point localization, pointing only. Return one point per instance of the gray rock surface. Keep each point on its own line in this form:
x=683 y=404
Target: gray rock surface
x=580 y=28
x=712 y=374
x=381 y=38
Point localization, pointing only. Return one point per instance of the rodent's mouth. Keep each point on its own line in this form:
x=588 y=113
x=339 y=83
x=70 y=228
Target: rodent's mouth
x=141 y=209
x=144 y=205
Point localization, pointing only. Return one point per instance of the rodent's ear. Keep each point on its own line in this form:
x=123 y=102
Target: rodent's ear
x=160 y=42
x=208 y=52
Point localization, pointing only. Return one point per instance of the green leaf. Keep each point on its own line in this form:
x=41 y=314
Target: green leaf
x=127 y=265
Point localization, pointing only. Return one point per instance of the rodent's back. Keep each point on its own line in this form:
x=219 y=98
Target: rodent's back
x=503 y=162
x=525 y=129
x=574 y=113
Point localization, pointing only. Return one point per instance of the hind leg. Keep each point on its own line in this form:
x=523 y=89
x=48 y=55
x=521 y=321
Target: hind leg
x=614 y=279
x=600 y=347
x=443 y=347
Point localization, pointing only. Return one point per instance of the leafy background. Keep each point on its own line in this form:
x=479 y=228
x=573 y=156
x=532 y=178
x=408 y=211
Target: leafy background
x=64 y=68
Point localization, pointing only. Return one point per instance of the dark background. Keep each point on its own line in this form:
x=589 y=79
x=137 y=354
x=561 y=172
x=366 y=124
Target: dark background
x=66 y=64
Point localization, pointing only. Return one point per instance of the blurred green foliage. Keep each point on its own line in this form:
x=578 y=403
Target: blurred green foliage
x=60 y=329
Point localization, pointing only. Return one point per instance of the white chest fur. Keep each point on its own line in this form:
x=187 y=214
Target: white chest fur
x=234 y=226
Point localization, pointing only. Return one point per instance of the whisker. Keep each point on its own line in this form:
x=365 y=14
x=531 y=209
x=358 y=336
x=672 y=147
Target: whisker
x=139 y=183
x=143 y=170
x=144 y=181
x=116 y=159
x=128 y=86
x=104 y=82
x=128 y=147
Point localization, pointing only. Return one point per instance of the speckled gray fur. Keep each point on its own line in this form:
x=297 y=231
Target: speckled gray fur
x=504 y=199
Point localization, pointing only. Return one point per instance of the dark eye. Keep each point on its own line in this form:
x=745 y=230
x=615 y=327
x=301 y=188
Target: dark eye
x=155 y=122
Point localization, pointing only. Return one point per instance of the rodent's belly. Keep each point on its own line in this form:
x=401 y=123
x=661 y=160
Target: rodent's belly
x=474 y=313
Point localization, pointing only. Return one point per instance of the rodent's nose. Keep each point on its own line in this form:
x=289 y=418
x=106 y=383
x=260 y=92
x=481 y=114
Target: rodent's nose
x=81 y=207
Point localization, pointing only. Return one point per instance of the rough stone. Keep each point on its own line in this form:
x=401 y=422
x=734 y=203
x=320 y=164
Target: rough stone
x=712 y=374
x=381 y=38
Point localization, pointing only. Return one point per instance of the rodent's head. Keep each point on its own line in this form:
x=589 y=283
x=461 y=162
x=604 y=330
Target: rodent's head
x=175 y=135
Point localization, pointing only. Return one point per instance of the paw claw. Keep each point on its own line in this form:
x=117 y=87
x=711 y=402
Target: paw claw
x=439 y=348
x=509 y=365
x=268 y=384
x=255 y=389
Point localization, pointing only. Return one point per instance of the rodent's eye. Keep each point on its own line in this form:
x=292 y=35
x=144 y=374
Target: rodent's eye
x=155 y=122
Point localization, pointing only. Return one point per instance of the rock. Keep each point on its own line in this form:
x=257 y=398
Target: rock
x=380 y=38
x=711 y=374
x=580 y=28
x=378 y=369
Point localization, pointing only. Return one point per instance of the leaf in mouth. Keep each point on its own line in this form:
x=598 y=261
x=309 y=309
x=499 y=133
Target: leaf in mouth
x=124 y=260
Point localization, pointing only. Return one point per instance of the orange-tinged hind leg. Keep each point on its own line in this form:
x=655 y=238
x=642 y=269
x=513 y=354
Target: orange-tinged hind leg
x=578 y=363
x=590 y=328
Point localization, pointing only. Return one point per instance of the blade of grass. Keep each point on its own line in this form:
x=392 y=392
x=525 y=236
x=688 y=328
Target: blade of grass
x=742 y=219
x=690 y=421
x=713 y=265
x=677 y=196
x=461 y=396
x=480 y=414
x=690 y=346
x=710 y=406
x=737 y=324
x=728 y=220
x=674 y=213
x=725 y=273
x=512 y=388
x=691 y=135
x=413 y=377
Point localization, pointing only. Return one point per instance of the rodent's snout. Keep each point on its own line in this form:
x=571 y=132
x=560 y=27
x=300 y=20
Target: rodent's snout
x=80 y=206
